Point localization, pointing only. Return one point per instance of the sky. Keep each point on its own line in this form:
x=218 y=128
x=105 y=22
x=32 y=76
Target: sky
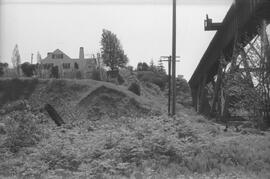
x=144 y=28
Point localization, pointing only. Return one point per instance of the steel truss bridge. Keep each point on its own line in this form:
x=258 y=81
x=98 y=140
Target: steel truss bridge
x=245 y=22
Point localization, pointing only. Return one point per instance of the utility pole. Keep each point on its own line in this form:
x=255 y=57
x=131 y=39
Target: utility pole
x=174 y=58
x=169 y=80
x=99 y=66
x=32 y=55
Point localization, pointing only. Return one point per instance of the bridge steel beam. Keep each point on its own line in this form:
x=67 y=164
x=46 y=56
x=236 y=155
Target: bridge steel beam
x=241 y=23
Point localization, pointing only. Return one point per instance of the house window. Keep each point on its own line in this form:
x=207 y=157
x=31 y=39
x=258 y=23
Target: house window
x=61 y=56
x=47 y=66
x=57 y=56
x=66 y=65
x=76 y=66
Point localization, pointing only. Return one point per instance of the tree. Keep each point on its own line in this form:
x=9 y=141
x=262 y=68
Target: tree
x=39 y=66
x=145 y=67
x=1 y=69
x=16 y=59
x=152 y=65
x=111 y=51
x=160 y=68
x=28 y=69
x=55 y=72
x=142 y=66
x=139 y=66
x=38 y=57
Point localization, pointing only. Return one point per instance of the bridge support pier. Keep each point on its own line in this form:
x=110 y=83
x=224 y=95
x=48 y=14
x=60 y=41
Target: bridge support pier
x=201 y=101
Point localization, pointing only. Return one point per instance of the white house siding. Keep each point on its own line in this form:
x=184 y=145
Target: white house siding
x=85 y=66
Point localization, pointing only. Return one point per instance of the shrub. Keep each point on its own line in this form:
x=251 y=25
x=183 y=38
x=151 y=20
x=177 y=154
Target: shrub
x=135 y=88
x=28 y=69
x=96 y=75
x=120 y=79
x=55 y=72
x=21 y=131
x=14 y=89
x=153 y=77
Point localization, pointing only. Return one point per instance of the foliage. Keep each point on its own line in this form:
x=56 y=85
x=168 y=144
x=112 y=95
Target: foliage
x=130 y=68
x=183 y=91
x=13 y=89
x=120 y=79
x=55 y=72
x=151 y=146
x=28 y=69
x=156 y=78
x=111 y=51
x=38 y=57
x=185 y=146
x=182 y=84
x=21 y=131
x=3 y=66
x=96 y=75
x=142 y=66
x=135 y=88
x=16 y=59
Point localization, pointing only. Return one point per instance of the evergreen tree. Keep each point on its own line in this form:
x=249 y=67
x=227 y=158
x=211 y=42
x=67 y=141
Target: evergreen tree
x=16 y=59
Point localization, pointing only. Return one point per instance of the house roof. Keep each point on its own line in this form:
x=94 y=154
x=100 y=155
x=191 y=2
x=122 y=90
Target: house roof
x=58 y=51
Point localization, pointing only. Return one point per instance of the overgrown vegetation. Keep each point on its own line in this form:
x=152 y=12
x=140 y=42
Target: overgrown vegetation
x=135 y=88
x=13 y=89
x=28 y=69
x=148 y=146
x=153 y=77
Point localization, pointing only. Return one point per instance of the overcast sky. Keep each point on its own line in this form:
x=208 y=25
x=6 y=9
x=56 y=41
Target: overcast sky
x=143 y=27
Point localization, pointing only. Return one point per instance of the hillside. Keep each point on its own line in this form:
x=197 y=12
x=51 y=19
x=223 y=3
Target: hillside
x=110 y=131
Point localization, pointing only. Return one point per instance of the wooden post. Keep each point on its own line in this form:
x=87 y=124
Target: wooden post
x=54 y=115
x=170 y=86
x=264 y=74
x=174 y=58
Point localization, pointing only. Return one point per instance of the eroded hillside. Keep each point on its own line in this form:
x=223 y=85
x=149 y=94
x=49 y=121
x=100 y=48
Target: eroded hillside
x=111 y=132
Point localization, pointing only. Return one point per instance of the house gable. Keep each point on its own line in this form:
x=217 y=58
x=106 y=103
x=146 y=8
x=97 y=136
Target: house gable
x=57 y=55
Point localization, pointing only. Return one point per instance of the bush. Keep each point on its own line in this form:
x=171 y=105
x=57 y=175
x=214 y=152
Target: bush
x=14 y=89
x=1 y=71
x=153 y=77
x=135 y=88
x=96 y=75
x=21 y=131
x=120 y=79
x=55 y=72
x=28 y=69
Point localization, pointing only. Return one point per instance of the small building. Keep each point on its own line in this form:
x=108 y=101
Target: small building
x=68 y=67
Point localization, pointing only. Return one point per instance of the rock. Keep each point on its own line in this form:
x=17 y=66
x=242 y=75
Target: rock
x=2 y=128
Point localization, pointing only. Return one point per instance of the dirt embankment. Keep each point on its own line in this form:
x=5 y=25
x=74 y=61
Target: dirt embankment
x=78 y=99
x=113 y=103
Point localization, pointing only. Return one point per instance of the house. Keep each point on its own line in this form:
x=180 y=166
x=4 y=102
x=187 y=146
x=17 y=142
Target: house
x=68 y=67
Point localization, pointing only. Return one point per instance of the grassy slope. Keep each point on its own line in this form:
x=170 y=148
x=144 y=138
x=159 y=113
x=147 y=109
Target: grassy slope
x=188 y=145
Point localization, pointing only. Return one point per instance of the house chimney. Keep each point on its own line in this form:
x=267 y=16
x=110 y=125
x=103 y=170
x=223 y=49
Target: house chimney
x=81 y=56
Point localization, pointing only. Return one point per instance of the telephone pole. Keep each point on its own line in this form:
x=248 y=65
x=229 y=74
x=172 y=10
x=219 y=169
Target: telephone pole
x=32 y=55
x=174 y=58
x=169 y=80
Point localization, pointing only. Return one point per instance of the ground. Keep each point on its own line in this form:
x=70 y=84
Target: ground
x=112 y=133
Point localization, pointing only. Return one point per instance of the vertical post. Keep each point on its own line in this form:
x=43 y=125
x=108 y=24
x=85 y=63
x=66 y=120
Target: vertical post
x=32 y=55
x=174 y=58
x=99 y=66
x=170 y=85
x=265 y=83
